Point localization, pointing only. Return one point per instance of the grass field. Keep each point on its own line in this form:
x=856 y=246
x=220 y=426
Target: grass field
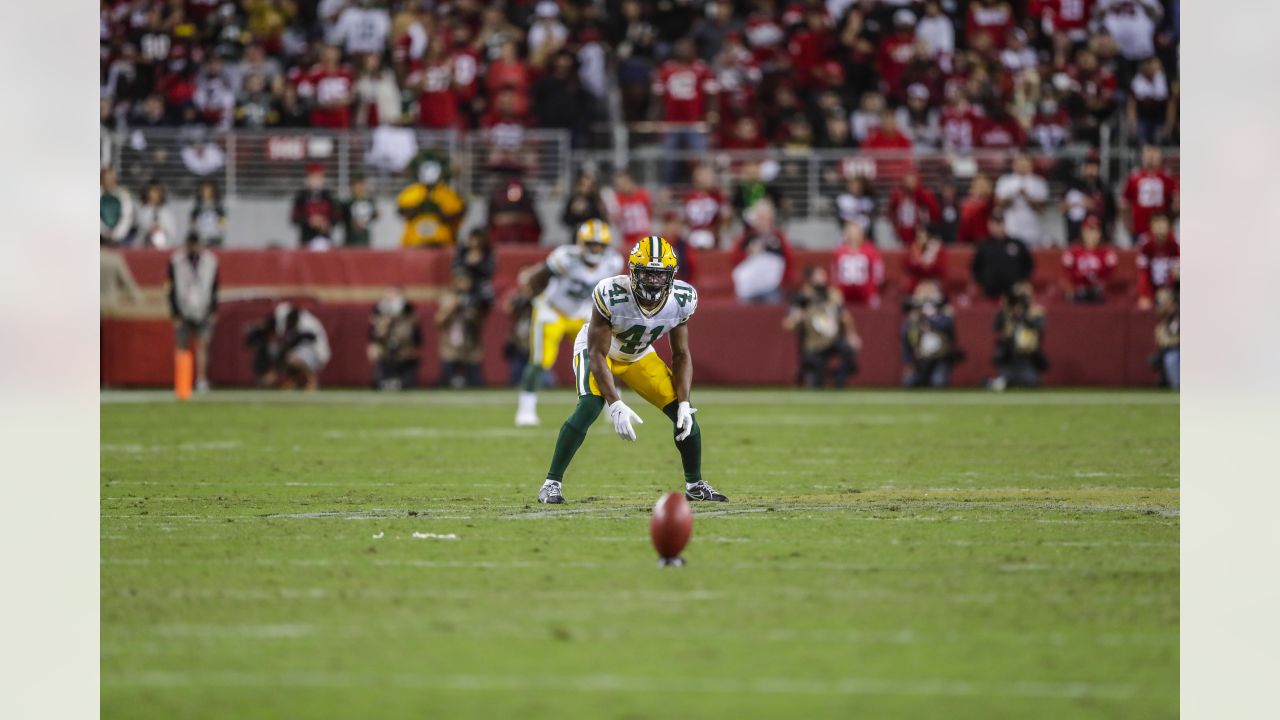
x=959 y=555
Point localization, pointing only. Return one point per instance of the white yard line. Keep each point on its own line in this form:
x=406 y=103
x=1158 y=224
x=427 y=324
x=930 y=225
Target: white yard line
x=692 y=683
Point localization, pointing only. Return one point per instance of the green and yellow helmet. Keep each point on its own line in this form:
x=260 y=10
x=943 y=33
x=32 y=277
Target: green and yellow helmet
x=593 y=237
x=652 y=266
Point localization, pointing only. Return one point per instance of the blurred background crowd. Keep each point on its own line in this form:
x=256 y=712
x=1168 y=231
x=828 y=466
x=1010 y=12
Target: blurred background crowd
x=748 y=126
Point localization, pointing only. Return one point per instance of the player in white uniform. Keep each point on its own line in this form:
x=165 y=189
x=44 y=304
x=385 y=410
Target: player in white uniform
x=630 y=313
x=565 y=282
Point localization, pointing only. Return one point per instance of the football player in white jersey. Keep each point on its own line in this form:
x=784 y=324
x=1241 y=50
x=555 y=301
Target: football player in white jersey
x=562 y=309
x=629 y=314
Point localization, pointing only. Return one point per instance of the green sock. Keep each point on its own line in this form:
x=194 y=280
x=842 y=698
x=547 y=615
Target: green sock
x=531 y=378
x=690 y=448
x=572 y=433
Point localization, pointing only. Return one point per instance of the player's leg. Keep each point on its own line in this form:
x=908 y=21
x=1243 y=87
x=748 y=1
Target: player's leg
x=651 y=379
x=574 y=430
x=546 y=331
x=204 y=334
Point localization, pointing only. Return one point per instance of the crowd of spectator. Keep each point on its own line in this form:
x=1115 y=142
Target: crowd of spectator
x=877 y=74
x=889 y=79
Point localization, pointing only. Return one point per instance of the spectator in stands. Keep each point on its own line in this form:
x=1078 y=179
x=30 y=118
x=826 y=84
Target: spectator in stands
x=631 y=208
x=255 y=105
x=706 y=209
x=1087 y=196
x=315 y=211
x=676 y=233
x=755 y=183
x=1089 y=264
x=560 y=101
x=155 y=226
x=936 y=30
x=912 y=205
x=1150 y=111
x=762 y=257
x=1132 y=24
x=208 y=218
x=859 y=269
x=687 y=88
x=926 y=259
x=547 y=35
x=918 y=120
x=115 y=210
x=192 y=287
x=1019 y=328
x=377 y=95
x=1158 y=260
x=513 y=214
x=395 y=342
x=1148 y=190
x=948 y=223
x=825 y=331
x=358 y=213
x=1000 y=261
x=1168 y=356
x=361 y=27
x=975 y=211
x=584 y=203
x=460 y=318
x=929 y=348
x=431 y=208
x=856 y=203
x=887 y=135
x=328 y=88
x=1022 y=194
x=290 y=113
x=867 y=117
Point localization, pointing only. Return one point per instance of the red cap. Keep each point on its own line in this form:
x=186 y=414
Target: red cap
x=315 y=167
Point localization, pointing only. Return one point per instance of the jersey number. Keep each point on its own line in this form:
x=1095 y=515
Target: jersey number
x=578 y=290
x=616 y=295
x=682 y=296
x=633 y=341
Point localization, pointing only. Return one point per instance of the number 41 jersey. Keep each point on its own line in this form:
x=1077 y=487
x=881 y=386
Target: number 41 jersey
x=634 y=332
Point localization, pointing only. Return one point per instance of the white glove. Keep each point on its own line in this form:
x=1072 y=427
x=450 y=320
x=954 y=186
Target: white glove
x=684 y=420
x=621 y=415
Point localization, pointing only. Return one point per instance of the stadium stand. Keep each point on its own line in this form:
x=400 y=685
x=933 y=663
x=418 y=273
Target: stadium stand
x=800 y=95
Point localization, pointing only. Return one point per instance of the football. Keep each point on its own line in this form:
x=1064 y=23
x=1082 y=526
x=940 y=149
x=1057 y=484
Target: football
x=671 y=525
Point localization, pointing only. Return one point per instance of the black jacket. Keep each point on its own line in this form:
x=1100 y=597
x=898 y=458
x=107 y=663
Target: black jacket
x=998 y=264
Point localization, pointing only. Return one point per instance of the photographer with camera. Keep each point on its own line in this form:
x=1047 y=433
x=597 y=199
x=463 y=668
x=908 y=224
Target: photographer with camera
x=825 y=331
x=1019 y=326
x=928 y=338
x=290 y=348
x=395 y=342
x=460 y=317
x=1167 y=360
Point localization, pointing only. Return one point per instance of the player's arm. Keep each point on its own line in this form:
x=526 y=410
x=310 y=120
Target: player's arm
x=599 y=339
x=534 y=278
x=681 y=362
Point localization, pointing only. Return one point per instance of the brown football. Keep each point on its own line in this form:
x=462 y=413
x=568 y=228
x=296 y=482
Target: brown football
x=671 y=525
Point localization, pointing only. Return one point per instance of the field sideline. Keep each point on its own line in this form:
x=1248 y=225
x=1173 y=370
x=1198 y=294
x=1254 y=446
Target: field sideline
x=885 y=554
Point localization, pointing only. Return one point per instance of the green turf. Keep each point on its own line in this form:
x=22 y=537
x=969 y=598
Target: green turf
x=960 y=555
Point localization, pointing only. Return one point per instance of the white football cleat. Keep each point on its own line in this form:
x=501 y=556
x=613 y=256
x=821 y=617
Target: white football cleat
x=527 y=410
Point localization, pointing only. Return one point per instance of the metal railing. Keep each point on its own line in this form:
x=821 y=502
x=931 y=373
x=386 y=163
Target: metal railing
x=272 y=164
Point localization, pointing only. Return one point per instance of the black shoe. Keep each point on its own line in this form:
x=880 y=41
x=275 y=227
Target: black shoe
x=702 y=491
x=550 y=494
